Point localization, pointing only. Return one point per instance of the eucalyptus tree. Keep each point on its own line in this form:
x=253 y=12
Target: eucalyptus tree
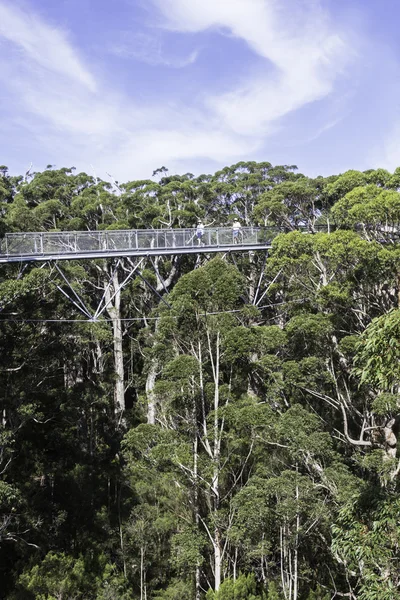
x=291 y=204
x=343 y=184
x=339 y=277
x=196 y=333
x=195 y=388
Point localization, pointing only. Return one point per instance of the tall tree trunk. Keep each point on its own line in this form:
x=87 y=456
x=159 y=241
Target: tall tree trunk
x=235 y=564
x=252 y=278
x=217 y=450
x=119 y=364
x=113 y=302
x=141 y=573
x=296 y=547
x=217 y=559
x=151 y=401
x=196 y=501
x=283 y=562
x=150 y=383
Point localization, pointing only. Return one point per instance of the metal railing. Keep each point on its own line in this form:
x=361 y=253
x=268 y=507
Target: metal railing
x=79 y=242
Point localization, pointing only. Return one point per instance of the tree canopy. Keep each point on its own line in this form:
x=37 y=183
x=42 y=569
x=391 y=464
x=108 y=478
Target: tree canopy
x=227 y=428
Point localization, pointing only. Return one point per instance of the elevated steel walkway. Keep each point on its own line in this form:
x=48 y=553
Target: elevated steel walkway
x=73 y=245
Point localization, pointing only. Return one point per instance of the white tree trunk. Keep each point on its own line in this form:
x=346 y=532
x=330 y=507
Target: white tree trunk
x=114 y=312
x=217 y=457
x=151 y=401
x=119 y=364
x=296 y=548
x=283 y=565
x=196 y=499
x=217 y=559
x=141 y=573
x=150 y=383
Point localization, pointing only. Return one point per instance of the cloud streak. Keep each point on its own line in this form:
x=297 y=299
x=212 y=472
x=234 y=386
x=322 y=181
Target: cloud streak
x=149 y=49
x=43 y=44
x=303 y=55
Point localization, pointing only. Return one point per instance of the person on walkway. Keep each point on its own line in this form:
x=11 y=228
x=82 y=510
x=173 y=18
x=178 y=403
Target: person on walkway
x=236 y=230
x=200 y=232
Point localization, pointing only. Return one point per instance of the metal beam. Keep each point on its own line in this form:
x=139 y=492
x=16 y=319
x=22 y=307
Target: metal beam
x=15 y=258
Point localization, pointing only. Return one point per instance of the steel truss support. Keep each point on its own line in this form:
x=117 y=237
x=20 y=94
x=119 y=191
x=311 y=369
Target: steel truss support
x=103 y=304
x=69 y=291
x=265 y=292
x=260 y=280
x=78 y=302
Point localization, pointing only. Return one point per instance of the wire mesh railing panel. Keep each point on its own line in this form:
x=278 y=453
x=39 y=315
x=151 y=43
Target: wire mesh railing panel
x=54 y=242
x=145 y=239
x=176 y=238
x=88 y=242
x=224 y=237
x=63 y=243
x=22 y=244
x=118 y=240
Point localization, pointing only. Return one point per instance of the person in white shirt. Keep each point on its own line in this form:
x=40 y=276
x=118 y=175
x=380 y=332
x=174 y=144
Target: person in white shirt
x=236 y=230
x=200 y=231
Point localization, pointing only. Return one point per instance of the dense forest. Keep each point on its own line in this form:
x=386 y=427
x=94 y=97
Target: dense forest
x=227 y=429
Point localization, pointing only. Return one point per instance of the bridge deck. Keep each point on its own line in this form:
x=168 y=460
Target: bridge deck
x=73 y=245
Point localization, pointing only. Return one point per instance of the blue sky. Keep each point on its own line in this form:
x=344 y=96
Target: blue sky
x=127 y=86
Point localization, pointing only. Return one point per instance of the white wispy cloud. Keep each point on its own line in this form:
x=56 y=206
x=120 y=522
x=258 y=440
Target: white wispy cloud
x=303 y=55
x=43 y=44
x=149 y=49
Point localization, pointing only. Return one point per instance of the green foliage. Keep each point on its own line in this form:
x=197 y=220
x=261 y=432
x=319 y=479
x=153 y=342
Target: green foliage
x=289 y=203
x=385 y=404
x=186 y=550
x=367 y=539
x=344 y=184
x=273 y=593
x=309 y=333
x=177 y=590
x=244 y=588
x=57 y=576
x=319 y=594
x=377 y=361
x=217 y=286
